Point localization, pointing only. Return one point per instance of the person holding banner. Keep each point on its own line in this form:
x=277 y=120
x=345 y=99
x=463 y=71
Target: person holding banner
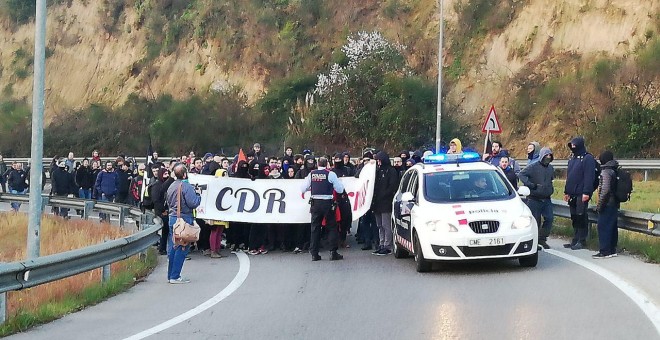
x=321 y=183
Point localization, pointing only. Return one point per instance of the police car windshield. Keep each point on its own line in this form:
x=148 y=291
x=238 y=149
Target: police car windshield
x=465 y=186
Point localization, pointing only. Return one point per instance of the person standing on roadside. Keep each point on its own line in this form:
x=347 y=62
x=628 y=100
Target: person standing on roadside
x=106 y=185
x=508 y=171
x=385 y=186
x=85 y=180
x=321 y=182
x=182 y=199
x=607 y=207
x=580 y=177
x=3 y=170
x=17 y=181
x=538 y=178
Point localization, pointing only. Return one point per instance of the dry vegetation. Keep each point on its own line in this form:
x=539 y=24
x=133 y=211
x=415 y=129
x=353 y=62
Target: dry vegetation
x=58 y=236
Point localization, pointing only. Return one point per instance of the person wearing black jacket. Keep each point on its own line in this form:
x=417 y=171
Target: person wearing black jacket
x=125 y=177
x=85 y=180
x=385 y=186
x=62 y=185
x=17 y=181
x=3 y=170
x=158 y=193
x=580 y=178
x=538 y=178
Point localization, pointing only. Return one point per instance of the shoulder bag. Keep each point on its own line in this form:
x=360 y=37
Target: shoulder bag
x=184 y=233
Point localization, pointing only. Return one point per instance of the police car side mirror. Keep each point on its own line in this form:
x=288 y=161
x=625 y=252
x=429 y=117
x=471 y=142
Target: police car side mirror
x=523 y=191
x=407 y=197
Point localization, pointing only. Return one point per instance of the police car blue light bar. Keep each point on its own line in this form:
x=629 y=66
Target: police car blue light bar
x=443 y=158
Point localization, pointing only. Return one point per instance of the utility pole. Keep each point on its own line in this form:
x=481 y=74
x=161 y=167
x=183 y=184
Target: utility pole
x=440 y=43
x=37 y=150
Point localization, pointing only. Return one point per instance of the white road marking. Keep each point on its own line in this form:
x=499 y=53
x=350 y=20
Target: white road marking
x=637 y=296
x=238 y=280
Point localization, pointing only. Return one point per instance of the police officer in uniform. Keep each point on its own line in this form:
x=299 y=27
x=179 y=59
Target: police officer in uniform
x=321 y=182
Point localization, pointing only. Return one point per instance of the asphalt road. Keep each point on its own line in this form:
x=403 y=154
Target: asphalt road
x=286 y=296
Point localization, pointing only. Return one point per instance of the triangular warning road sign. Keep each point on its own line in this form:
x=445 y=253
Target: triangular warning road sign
x=491 y=123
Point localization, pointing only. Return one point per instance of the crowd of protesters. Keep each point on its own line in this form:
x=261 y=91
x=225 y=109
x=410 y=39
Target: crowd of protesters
x=146 y=185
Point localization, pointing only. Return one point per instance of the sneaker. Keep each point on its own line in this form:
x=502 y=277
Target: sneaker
x=334 y=256
x=614 y=255
x=206 y=252
x=215 y=255
x=577 y=246
x=263 y=250
x=180 y=280
x=254 y=252
x=544 y=244
x=162 y=252
x=568 y=245
x=316 y=257
x=297 y=250
x=601 y=256
x=375 y=252
x=383 y=252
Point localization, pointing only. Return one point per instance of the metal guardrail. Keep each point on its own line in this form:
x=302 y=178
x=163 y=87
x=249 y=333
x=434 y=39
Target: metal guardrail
x=641 y=222
x=30 y=273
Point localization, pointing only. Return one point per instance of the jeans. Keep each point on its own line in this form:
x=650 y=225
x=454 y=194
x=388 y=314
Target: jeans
x=16 y=206
x=384 y=222
x=542 y=207
x=176 y=255
x=608 y=233
x=106 y=198
x=85 y=193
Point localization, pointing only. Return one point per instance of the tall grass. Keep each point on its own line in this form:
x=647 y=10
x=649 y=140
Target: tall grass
x=50 y=301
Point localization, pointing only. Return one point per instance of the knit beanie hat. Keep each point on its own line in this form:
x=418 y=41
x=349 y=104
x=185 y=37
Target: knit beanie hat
x=606 y=156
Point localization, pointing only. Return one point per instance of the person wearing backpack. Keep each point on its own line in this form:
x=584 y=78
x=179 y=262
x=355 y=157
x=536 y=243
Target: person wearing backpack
x=580 y=176
x=607 y=207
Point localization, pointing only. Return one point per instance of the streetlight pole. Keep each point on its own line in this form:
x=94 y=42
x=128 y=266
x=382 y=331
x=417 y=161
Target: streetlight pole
x=439 y=109
x=37 y=150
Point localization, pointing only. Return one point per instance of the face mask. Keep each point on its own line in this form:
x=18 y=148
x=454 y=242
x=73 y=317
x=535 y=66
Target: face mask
x=546 y=160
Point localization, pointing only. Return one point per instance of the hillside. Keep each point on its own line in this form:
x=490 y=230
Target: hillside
x=553 y=69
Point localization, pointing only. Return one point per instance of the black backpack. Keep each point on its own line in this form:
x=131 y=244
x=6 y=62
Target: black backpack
x=596 y=182
x=624 y=185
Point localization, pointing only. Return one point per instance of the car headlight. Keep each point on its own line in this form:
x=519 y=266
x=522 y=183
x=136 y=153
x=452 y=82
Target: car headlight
x=440 y=225
x=522 y=222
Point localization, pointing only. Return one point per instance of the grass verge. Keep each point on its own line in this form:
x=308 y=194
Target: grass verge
x=134 y=269
x=33 y=306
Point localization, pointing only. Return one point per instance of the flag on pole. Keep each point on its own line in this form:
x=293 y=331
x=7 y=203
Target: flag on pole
x=241 y=155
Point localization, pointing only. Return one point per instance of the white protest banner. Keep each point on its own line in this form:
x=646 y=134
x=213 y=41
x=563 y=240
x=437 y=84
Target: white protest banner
x=273 y=200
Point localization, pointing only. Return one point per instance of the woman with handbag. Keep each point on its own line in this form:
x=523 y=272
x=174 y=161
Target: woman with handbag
x=182 y=199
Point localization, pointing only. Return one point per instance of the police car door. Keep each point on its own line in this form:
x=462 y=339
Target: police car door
x=403 y=207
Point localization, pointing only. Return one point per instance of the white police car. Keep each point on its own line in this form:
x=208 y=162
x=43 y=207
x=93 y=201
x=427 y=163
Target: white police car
x=456 y=207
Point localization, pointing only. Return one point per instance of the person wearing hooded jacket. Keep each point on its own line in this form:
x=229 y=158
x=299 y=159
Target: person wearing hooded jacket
x=385 y=186
x=607 y=207
x=455 y=146
x=580 y=176
x=538 y=178
x=533 y=149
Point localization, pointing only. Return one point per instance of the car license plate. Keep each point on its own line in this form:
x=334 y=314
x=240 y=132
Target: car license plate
x=486 y=242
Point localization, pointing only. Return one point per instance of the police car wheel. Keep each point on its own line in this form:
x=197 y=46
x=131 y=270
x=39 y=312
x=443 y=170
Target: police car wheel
x=423 y=265
x=530 y=260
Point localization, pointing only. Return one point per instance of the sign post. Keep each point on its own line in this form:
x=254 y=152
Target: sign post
x=491 y=125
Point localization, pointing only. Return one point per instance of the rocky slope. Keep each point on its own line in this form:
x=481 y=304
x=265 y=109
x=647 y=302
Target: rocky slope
x=508 y=41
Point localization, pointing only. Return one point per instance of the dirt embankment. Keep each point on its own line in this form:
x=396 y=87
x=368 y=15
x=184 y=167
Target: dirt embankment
x=87 y=65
